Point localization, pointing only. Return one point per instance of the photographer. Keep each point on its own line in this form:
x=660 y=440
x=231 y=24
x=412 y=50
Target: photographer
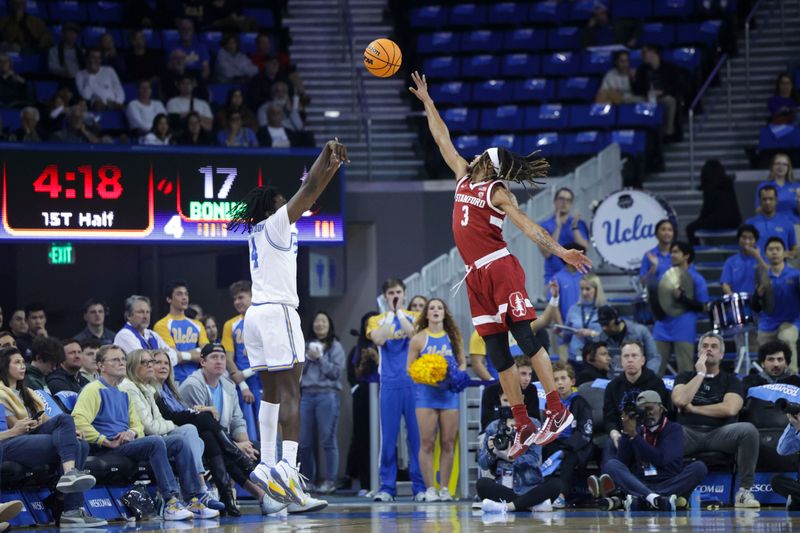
x=789 y=444
x=518 y=485
x=649 y=464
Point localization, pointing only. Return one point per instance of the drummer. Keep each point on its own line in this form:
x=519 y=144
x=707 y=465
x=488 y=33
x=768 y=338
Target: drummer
x=678 y=333
x=657 y=261
x=740 y=270
x=781 y=312
x=772 y=223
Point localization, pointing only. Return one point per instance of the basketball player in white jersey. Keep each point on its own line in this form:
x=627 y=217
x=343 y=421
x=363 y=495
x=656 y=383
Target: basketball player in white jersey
x=272 y=334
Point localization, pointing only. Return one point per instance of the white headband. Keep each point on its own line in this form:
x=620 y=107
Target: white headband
x=494 y=156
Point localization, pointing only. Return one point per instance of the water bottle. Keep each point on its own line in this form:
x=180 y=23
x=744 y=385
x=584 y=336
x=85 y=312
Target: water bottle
x=694 y=502
x=651 y=95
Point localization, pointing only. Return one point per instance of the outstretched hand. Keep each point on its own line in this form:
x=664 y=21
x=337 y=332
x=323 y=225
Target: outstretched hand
x=338 y=153
x=577 y=259
x=421 y=89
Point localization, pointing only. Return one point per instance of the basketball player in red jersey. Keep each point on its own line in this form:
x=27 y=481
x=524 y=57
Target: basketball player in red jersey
x=495 y=280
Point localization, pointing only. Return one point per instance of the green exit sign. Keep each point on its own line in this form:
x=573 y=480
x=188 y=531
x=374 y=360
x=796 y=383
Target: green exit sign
x=61 y=254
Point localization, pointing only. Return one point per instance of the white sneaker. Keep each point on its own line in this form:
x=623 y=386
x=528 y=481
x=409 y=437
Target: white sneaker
x=491 y=506
x=544 y=507
x=381 y=496
x=312 y=504
x=175 y=509
x=289 y=479
x=430 y=495
x=199 y=510
x=270 y=505
x=262 y=478
x=444 y=495
x=745 y=499
x=420 y=497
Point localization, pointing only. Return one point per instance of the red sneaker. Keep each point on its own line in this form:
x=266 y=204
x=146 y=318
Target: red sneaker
x=522 y=440
x=554 y=423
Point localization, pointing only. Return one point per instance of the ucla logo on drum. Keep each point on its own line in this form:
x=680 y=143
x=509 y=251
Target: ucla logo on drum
x=617 y=233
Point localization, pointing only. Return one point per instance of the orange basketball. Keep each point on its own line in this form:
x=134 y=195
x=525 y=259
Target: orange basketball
x=382 y=58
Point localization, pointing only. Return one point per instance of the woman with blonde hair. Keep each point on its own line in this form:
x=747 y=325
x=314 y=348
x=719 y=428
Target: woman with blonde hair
x=582 y=321
x=781 y=177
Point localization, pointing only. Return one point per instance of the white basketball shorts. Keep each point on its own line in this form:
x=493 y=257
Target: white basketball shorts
x=273 y=337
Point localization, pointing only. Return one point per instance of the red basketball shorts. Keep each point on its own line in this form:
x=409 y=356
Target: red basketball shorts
x=495 y=292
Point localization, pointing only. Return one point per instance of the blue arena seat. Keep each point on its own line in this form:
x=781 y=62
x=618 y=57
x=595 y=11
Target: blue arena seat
x=560 y=64
x=35 y=8
x=548 y=144
x=584 y=142
x=131 y=91
x=518 y=65
x=27 y=63
x=705 y=33
x=658 y=33
x=779 y=137
x=212 y=39
x=263 y=17
x=492 y=91
x=219 y=91
x=103 y=12
x=631 y=142
x=524 y=39
x=68 y=11
x=151 y=37
x=687 y=57
x=673 y=9
x=472 y=15
x=481 y=41
x=596 y=61
x=444 y=67
x=549 y=11
x=631 y=9
x=9 y=118
x=577 y=88
x=470 y=144
x=564 y=38
x=482 y=66
x=247 y=42
x=504 y=117
x=112 y=120
x=592 y=116
x=509 y=141
x=441 y=42
x=546 y=117
x=428 y=17
x=534 y=90
x=91 y=35
x=454 y=92
x=460 y=119
x=582 y=10
x=643 y=115
x=170 y=39
x=507 y=13
x=45 y=89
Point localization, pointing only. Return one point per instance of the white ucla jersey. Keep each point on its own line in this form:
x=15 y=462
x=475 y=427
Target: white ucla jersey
x=273 y=260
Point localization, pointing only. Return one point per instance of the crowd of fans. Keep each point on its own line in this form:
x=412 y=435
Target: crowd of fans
x=171 y=91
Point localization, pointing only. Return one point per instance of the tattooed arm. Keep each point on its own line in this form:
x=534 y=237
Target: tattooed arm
x=506 y=202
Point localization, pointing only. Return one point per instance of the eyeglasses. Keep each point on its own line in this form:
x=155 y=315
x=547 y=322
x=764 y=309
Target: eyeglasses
x=115 y=360
x=148 y=362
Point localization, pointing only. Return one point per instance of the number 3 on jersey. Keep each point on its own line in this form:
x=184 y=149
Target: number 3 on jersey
x=253 y=252
x=465 y=219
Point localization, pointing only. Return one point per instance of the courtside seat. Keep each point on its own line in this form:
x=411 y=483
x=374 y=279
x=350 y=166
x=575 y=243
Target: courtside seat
x=460 y=119
x=107 y=12
x=640 y=115
x=471 y=15
x=444 y=67
x=507 y=13
x=548 y=12
x=592 y=116
x=524 y=39
x=546 y=117
x=560 y=64
x=428 y=17
x=578 y=88
x=501 y=118
x=595 y=396
x=631 y=142
x=520 y=65
x=441 y=42
x=481 y=41
x=549 y=143
x=564 y=38
x=534 y=90
x=631 y=9
x=68 y=11
x=492 y=91
x=480 y=66
x=673 y=9
x=14 y=475
x=715 y=461
x=584 y=142
x=115 y=470
x=658 y=33
x=704 y=33
x=454 y=92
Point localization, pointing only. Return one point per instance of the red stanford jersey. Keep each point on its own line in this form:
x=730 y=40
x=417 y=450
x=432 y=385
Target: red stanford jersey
x=477 y=224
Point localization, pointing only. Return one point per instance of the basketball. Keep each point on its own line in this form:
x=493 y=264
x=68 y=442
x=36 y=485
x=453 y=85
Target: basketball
x=382 y=58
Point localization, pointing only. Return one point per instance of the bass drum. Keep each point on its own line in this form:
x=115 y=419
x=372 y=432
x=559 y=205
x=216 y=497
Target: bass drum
x=624 y=226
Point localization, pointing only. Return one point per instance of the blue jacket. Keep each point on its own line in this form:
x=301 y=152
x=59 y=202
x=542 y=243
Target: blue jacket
x=526 y=467
x=666 y=456
x=789 y=442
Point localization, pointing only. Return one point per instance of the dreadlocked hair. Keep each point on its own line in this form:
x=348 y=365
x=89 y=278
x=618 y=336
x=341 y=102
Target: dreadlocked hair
x=522 y=169
x=253 y=208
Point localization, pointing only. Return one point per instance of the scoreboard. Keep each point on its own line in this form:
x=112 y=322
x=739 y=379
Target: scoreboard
x=91 y=192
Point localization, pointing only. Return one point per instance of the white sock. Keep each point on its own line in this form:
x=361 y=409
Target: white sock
x=290 y=452
x=268 y=424
x=651 y=498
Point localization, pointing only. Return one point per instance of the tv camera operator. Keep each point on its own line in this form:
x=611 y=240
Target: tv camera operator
x=788 y=444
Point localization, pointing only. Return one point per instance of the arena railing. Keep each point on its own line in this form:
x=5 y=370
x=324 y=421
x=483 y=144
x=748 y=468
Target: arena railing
x=591 y=182
x=724 y=60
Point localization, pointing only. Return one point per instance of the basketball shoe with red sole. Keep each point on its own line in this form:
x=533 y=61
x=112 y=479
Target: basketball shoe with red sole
x=554 y=423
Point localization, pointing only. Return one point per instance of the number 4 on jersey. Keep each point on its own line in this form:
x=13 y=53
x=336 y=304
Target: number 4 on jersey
x=253 y=252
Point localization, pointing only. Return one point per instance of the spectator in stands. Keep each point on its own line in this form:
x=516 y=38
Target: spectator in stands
x=741 y=270
x=189 y=466
x=236 y=135
x=28 y=132
x=290 y=105
x=99 y=85
x=259 y=90
x=616 y=85
x=34 y=438
x=56 y=108
x=21 y=32
x=789 y=444
x=779 y=301
x=89 y=349
x=66 y=376
x=784 y=103
x=197 y=56
x=772 y=223
x=490 y=401
x=263 y=52
x=14 y=90
x=417 y=303
x=582 y=316
x=658 y=260
x=46 y=354
x=109 y=56
x=515 y=485
x=35 y=322
x=108 y=420
x=565 y=228
x=774 y=357
x=18 y=325
x=649 y=464
x=781 y=178
x=212 y=330
x=320 y=401
x=143 y=110
x=227 y=15
x=624 y=389
x=575 y=442
x=677 y=333
x=7 y=340
x=94 y=315
x=274 y=134
x=720 y=209
x=141 y=63
x=598 y=30
x=708 y=403
x=660 y=82
x=194 y=134
x=186 y=335
x=134 y=334
x=232 y=65
x=235 y=102
x=175 y=71
x=617 y=330
x=75 y=130
x=596 y=363
x=185 y=103
x=66 y=59
x=160 y=134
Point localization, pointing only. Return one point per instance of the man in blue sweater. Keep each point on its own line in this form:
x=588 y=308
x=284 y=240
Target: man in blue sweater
x=649 y=465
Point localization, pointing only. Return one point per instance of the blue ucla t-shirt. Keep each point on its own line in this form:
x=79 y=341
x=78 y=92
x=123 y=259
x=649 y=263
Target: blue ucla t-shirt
x=739 y=271
x=394 y=352
x=779 y=225
x=554 y=263
x=786 y=291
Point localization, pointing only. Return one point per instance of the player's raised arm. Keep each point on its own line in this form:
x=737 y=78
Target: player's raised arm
x=322 y=171
x=438 y=128
x=504 y=201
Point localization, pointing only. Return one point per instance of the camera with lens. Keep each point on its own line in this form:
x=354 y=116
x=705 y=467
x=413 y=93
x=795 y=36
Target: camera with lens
x=785 y=406
x=505 y=433
x=630 y=409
